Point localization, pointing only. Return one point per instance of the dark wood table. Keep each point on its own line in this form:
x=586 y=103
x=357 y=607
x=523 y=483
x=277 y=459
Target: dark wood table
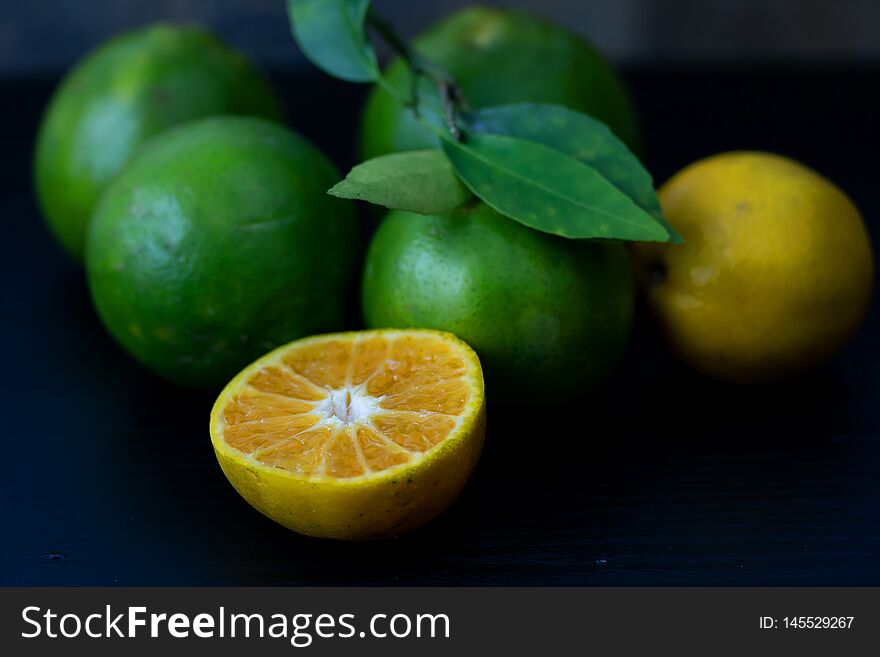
x=108 y=477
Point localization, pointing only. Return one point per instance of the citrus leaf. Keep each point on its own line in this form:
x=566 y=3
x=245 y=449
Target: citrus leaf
x=580 y=136
x=417 y=181
x=548 y=190
x=332 y=34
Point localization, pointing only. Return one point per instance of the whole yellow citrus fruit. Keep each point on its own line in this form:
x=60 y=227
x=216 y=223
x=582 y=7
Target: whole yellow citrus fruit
x=775 y=273
x=353 y=435
x=127 y=90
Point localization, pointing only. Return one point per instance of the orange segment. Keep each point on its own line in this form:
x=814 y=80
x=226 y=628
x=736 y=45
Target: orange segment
x=343 y=456
x=303 y=453
x=324 y=364
x=253 y=435
x=414 y=364
x=449 y=397
x=280 y=382
x=350 y=405
x=369 y=355
x=379 y=452
x=417 y=432
x=255 y=405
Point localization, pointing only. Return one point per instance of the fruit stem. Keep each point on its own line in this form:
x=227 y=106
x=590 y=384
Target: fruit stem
x=450 y=93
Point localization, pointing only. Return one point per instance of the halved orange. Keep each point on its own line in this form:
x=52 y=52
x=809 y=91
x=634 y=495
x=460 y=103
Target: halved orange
x=353 y=435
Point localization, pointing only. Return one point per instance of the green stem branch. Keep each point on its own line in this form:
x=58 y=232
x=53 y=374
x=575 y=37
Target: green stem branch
x=450 y=94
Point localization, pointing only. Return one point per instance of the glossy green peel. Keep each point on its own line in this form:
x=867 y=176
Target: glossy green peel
x=217 y=243
x=549 y=317
x=127 y=90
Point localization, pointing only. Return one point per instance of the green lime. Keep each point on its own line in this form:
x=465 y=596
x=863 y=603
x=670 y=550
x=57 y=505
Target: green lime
x=128 y=89
x=501 y=56
x=218 y=242
x=549 y=317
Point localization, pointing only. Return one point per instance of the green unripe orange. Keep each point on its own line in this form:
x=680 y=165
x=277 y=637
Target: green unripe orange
x=218 y=242
x=125 y=91
x=549 y=317
x=500 y=56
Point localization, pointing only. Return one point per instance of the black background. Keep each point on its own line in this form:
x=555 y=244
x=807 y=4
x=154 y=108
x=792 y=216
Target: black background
x=108 y=476
x=46 y=35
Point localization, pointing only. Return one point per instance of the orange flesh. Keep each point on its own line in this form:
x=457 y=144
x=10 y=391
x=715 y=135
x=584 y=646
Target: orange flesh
x=349 y=406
